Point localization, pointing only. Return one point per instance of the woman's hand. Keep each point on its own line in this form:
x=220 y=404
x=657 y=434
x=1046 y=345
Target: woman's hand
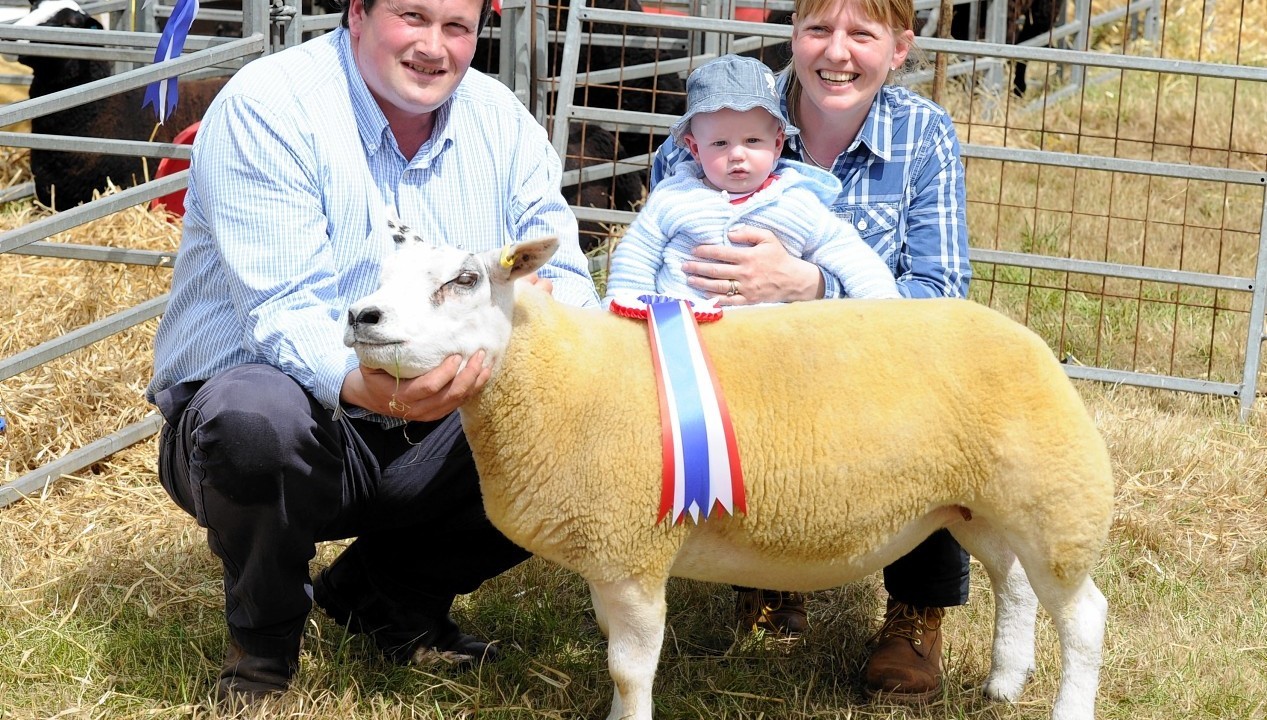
x=542 y=283
x=428 y=397
x=755 y=269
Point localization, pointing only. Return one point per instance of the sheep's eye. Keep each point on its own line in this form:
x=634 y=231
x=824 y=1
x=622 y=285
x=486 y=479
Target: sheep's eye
x=466 y=280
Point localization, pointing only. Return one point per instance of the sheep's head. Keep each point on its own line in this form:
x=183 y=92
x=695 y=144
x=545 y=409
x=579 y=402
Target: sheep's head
x=436 y=301
x=58 y=13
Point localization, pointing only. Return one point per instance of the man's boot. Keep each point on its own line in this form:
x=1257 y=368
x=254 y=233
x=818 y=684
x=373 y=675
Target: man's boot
x=421 y=633
x=905 y=664
x=777 y=613
x=246 y=679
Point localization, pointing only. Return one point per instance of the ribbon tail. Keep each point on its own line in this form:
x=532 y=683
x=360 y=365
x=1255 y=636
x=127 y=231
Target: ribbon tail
x=162 y=95
x=668 y=482
x=737 y=497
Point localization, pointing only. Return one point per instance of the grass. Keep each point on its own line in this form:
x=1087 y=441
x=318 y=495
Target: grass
x=110 y=607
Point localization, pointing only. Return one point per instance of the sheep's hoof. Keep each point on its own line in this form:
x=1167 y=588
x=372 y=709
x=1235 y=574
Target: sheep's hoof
x=1005 y=686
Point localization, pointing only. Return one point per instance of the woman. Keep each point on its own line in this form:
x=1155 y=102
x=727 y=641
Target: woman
x=897 y=157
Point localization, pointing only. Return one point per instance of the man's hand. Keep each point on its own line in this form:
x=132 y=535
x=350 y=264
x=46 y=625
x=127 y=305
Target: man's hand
x=756 y=269
x=427 y=397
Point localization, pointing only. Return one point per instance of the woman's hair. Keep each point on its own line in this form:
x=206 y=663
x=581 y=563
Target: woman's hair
x=899 y=15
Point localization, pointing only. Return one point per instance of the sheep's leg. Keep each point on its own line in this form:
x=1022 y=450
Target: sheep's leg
x=1079 y=614
x=632 y=614
x=600 y=610
x=1015 y=609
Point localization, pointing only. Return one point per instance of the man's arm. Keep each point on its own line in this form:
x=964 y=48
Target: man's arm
x=539 y=210
x=254 y=199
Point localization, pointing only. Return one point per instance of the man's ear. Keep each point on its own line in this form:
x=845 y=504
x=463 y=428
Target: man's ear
x=516 y=260
x=356 y=16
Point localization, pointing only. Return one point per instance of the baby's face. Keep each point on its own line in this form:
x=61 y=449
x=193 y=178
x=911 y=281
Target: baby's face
x=737 y=150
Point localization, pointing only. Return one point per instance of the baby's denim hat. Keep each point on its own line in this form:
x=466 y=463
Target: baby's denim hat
x=731 y=81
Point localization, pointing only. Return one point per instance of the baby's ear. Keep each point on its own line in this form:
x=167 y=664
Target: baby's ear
x=691 y=145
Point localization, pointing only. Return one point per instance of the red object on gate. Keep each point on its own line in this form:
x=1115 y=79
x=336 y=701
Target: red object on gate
x=174 y=203
x=749 y=14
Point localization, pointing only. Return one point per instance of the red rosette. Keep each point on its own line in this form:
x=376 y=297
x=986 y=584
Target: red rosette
x=637 y=308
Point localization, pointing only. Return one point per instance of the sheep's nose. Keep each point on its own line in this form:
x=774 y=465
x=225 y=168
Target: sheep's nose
x=368 y=316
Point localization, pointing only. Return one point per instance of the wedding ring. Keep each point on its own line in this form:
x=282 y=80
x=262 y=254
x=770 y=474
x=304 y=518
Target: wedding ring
x=734 y=289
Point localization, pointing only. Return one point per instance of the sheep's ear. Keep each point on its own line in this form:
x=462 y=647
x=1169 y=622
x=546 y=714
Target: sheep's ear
x=402 y=233
x=522 y=258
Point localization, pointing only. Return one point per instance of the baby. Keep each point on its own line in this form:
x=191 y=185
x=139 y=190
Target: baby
x=735 y=132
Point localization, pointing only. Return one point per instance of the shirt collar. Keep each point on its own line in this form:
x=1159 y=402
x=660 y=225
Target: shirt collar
x=875 y=133
x=370 y=120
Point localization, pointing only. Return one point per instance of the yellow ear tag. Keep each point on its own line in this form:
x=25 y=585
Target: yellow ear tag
x=508 y=257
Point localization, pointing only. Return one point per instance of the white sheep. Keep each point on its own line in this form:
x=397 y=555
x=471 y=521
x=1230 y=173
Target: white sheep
x=863 y=426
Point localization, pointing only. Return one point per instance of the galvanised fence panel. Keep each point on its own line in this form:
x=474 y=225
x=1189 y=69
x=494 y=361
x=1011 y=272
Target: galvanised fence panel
x=1115 y=205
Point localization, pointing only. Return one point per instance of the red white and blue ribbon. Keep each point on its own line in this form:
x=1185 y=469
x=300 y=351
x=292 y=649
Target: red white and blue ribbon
x=162 y=95
x=701 y=469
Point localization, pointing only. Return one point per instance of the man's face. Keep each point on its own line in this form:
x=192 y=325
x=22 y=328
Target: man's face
x=413 y=53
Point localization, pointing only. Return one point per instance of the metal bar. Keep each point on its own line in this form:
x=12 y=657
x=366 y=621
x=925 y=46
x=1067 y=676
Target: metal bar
x=83 y=337
x=626 y=41
x=204 y=13
x=1110 y=269
x=962 y=47
x=99 y=8
x=622 y=117
x=567 y=82
x=1096 y=59
x=17 y=192
x=106 y=146
x=1137 y=167
x=63 y=221
x=614 y=217
x=1254 y=335
x=83 y=52
x=605 y=170
x=97 y=253
x=685 y=22
x=140 y=77
x=1161 y=382
x=318 y=23
x=44 y=34
x=34 y=482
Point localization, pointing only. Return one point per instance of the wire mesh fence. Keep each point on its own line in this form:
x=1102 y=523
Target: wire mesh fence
x=1115 y=203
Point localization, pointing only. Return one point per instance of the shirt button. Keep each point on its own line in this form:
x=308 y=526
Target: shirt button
x=862 y=224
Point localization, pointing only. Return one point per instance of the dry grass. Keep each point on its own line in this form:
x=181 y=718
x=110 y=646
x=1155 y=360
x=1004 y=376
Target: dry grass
x=111 y=607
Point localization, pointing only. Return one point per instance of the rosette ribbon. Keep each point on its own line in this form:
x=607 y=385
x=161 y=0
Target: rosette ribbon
x=702 y=475
x=162 y=94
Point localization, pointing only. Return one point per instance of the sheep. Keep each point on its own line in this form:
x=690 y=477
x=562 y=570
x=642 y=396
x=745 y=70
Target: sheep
x=1026 y=19
x=65 y=179
x=851 y=456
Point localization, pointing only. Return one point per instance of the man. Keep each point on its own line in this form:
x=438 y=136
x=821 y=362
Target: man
x=275 y=439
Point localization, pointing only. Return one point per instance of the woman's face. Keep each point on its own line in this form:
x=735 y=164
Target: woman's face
x=842 y=58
